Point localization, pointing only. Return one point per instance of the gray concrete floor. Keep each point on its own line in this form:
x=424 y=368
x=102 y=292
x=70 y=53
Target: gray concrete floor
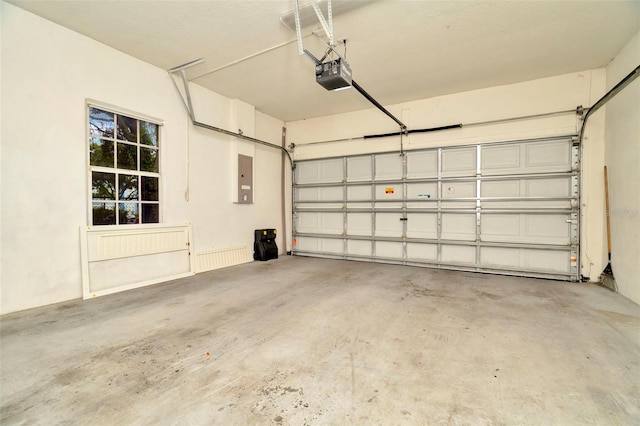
x=315 y=341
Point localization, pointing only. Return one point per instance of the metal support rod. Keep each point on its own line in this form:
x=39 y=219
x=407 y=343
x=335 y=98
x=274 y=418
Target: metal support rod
x=187 y=65
x=309 y=55
x=328 y=28
x=607 y=97
x=283 y=198
x=296 y=11
x=192 y=114
x=244 y=137
x=237 y=61
x=189 y=106
x=330 y=21
x=377 y=105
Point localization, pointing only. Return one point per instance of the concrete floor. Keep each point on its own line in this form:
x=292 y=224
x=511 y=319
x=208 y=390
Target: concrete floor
x=315 y=341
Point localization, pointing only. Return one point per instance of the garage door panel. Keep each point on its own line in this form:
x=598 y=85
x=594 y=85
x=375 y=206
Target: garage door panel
x=424 y=195
x=422 y=252
x=500 y=227
x=526 y=157
x=420 y=191
x=320 y=223
x=308 y=222
x=390 y=250
x=321 y=245
x=511 y=205
x=388 y=225
x=550 y=187
x=456 y=190
x=459 y=162
x=554 y=187
x=549 y=261
x=388 y=166
x=502 y=188
x=359 y=169
x=359 y=224
x=422 y=164
x=527 y=190
x=458 y=254
x=360 y=192
x=308 y=172
x=547 y=228
x=525 y=228
x=389 y=192
x=501 y=257
x=548 y=156
x=359 y=248
x=501 y=159
x=459 y=226
x=453 y=190
x=307 y=244
x=308 y=194
x=422 y=225
x=319 y=194
x=330 y=170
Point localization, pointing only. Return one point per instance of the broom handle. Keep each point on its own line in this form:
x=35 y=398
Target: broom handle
x=606 y=196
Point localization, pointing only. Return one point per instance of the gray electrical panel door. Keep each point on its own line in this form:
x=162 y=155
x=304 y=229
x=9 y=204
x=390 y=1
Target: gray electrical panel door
x=509 y=207
x=245 y=179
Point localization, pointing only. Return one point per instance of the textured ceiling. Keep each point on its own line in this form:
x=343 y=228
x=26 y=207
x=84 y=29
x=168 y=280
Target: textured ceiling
x=398 y=50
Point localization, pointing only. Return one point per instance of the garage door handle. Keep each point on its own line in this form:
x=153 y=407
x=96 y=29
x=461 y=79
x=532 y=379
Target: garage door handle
x=403 y=218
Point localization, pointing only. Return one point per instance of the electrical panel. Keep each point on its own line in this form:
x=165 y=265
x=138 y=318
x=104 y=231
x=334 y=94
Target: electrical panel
x=245 y=179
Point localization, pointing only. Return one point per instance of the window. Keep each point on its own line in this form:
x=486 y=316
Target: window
x=124 y=168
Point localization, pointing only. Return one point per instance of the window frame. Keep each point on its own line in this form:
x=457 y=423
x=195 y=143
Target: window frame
x=118 y=111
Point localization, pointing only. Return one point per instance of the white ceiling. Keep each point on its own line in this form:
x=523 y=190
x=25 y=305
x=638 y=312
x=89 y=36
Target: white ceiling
x=398 y=50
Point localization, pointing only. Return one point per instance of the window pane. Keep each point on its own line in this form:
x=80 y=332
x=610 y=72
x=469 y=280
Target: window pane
x=148 y=159
x=100 y=123
x=104 y=213
x=103 y=186
x=127 y=156
x=148 y=133
x=128 y=213
x=149 y=189
x=128 y=187
x=150 y=213
x=101 y=152
x=127 y=129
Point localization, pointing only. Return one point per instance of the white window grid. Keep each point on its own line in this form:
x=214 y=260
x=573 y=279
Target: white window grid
x=123 y=171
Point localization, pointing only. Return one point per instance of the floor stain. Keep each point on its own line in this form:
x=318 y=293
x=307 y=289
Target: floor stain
x=619 y=317
x=487 y=295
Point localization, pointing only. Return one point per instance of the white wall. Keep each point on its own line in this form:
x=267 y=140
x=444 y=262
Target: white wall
x=48 y=73
x=559 y=93
x=622 y=150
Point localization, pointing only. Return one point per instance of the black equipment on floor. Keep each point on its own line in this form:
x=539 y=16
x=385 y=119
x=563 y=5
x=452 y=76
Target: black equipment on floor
x=264 y=245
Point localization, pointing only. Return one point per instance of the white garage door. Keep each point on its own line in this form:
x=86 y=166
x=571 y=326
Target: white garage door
x=509 y=208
